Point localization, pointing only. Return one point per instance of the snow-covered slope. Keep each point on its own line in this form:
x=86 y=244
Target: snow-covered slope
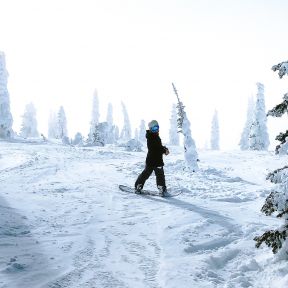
x=64 y=223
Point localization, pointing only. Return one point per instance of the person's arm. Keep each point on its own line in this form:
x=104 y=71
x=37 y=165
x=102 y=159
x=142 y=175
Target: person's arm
x=166 y=150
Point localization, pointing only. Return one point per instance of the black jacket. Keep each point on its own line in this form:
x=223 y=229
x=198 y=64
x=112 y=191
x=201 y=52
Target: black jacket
x=155 y=150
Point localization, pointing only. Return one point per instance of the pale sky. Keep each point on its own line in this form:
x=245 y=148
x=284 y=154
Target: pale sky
x=59 y=51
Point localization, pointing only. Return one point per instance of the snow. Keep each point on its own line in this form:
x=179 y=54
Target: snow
x=65 y=223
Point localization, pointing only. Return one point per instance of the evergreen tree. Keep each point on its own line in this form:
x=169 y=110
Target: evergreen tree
x=244 y=141
x=126 y=131
x=277 y=201
x=116 y=133
x=173 y=132
x=215 y=132
x=142 y=132
x=78 y=139
x=278 y=111
x=95 y=116
x=100 y=134
x=6 y=119
x=190 y=153
x=136 y=134
x=61 y=124
x=29 y=123
x=258 y=136
x=109 y=119
x=52 y=125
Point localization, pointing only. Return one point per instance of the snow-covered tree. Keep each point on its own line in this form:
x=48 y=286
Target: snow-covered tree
x=6 y=119
x=258 y=136
x=126 y=131
x=136 y=134
x=78 y=139
x=52 y=125
x=61 y=130
x=277 y=201
x=109 y=119
x=29 y=123
x=190 y=153
x=173 y=132
x=215 y=132
x=95 y=116
x=278 y=111
x=116 y=133
x=244 y=141
x=100 y=134
x=142 y=131
x=133 y=145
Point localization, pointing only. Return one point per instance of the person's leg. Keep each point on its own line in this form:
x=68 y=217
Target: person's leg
x=143 y=177
x=160 y=179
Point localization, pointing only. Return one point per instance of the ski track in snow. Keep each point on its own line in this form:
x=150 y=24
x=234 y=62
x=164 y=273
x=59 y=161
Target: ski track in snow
x=70 y=226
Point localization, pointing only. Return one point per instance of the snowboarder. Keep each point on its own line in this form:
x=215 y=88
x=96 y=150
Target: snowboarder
x=154 y=160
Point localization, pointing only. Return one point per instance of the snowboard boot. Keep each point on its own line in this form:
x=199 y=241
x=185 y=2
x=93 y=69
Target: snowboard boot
x=138 y=188
x=162 y=190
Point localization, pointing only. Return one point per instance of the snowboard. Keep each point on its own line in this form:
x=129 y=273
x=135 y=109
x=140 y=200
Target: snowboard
x=168 y=194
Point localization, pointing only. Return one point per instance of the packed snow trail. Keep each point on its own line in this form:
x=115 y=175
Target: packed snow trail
x=66 y=224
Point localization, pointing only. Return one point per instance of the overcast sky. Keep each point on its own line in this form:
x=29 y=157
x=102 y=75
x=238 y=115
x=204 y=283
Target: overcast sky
x=59 y=51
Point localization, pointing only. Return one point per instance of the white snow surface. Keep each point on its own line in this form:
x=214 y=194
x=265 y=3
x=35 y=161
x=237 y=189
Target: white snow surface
x=65 y=223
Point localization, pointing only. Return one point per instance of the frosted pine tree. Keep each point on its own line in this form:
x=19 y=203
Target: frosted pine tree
x=244 y=141
x=136 y=134
x=190 y=153
x=126 y=131
x=95 y=116
x=109 y=119
x=277 y=201
x=142 y=131
x=52 y=125
x=29 y=123
x=6 y=119
x=214 y=141
x=116 y=133
x=100 y=134
x=258 y=136
x=78 y=139
x=278 y=111
x=173 y=132
x=61 y=131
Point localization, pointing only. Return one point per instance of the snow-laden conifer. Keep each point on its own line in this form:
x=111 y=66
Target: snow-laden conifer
x=173 y=131
x=244 y=141
x=61 y=130
x=126 y=130
x=277 y=201
x=258 y=136
x=100 y=134
x=29 y=122
x=116 y=133
x=95 y=115
x=136 y=134
x=142 y=131
x=190 y=153
x=6 y=120
x=78 y=139
x=52 y=125
x=110 y=127
x=278 y=111
x=282 y=68
x=214 y=141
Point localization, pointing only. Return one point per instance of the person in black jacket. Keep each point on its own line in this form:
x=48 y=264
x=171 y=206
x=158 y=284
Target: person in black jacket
x=154 y=160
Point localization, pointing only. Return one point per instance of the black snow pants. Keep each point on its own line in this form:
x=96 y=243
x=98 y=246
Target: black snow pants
x=160 y=177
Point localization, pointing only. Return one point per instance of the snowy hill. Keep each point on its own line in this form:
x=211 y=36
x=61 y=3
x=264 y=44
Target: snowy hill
x=64 y=222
